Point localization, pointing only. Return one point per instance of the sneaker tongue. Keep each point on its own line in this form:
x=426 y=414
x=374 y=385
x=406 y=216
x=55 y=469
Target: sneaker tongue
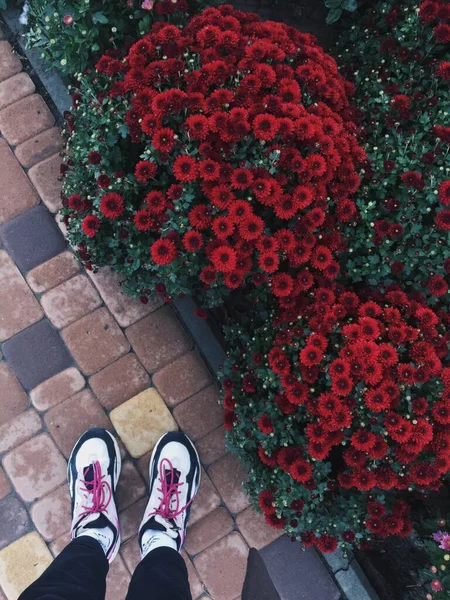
x=172 y=477
x=88 y=475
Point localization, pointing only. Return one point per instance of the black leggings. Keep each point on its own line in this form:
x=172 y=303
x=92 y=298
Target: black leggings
x=79 y=573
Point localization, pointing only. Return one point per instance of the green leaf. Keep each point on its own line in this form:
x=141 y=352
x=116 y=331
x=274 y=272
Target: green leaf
x=350 y=5
x=333 y=3
x=99 y=17
x=333 y=15
x=2 y=4
x=95 y=47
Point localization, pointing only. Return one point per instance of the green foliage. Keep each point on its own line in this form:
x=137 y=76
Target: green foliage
x=337 y=8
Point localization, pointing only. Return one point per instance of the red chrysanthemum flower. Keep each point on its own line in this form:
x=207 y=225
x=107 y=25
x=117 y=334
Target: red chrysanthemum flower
x=143 y=220
x=442 y=33
x=241 y=179
x=300 y=470
x=224 y=259
x=251 y=228
x=265 y=127
x=94 y=157
x=75 y=202
x=145 y=170
x=163 y=251
x=443 y=220
x=185 y=168
x=192 y=241
x=444 y=192
x=90 y=225
x=112 y=205
x=265 y=424
x=269 y=262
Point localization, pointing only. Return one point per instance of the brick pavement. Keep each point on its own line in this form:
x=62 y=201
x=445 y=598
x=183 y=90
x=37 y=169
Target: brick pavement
x=77 y=353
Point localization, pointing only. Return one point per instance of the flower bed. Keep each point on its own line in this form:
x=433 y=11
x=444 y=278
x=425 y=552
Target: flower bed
x=342 y=415
x=214 y=157
x=403 y=102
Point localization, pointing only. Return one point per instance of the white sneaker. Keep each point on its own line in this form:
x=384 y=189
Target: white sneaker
x=93 y=472
x=174 y=481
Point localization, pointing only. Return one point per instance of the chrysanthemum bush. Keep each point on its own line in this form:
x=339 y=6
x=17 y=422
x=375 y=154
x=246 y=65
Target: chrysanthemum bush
x=213 y=157
x=341 y=415
x=403 y=105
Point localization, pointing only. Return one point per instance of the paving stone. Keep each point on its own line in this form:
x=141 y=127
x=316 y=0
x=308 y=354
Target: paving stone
x=337 y=560
x=126 y=310
x=14 y=520
x=212 y=447
x=131 y=518
x=16 y=192
x=298 y=573
x=200 y=414
x=41 y=146
x=131 y=554
x=120 y=381
x=131 y=486
x=46 y=178
x=208 y=530
x=9 y=62
x=53 y=272
x=70 y=419
x=5 y=487
x=222 y=567
x=15 y=88
x=158 y=339
x=24 y=119
x=36 y=354
x=13 y=399
x=141 y=421
x=117 y=581
x=257 y=584
x=95 y=341
x=19 y=430
x=194 y=580
x=32 y=238
x=52 y=514
x=35 y=468
x=255 y=530
x=182 y=378
x=70 y=301
x=57 y=389
x=18 y=307
x=228 y=474
x=23 y=562
x=59 y=544
x=206 y=500
x=354 y=583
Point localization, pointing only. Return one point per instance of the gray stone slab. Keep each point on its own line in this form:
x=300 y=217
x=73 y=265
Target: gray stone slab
x=298 y=574
x=14 y=521
x=337 y=560
x=32 y=238
x=258 y=585
x=36 y=354
x=355 y=584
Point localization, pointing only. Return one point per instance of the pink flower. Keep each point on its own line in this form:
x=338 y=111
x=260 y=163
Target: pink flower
x=68 y=19
x=436 y=585
x=147 y=4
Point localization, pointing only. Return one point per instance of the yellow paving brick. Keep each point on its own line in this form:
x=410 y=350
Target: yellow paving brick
x=141 y=421
x=23 y=562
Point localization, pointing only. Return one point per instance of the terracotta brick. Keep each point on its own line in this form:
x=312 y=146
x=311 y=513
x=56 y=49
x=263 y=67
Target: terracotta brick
x=120 y=381
x=194 y=580
x=228 y=474
x=117 y=581
x=16 y=192
x=53 y=272
x=35 y=468
x=70 y=301
x=158 y=339
x=131 y=518
x=9 y=62
x=15 y=88
x=131 y=486
x=206 y=500
x=57 y=389
x=222 y=567
x=255 y=530
x=200 y=414
x=208 y=530
x=212 y=446
x=46 y=178
x=70 y=419
x=41 y=146
x=131 y=554
x=18 y=307
x=126 y=310
x=59 y=544
x=14 y=519
x=24 y=119
x=5 y=486
x=182 y=378
x=141 y=421
x=95 y=341
x=19 y=430
x=52 y=514
x=13 y=399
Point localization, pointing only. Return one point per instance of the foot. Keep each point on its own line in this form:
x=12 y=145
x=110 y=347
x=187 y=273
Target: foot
x=174 y=481
x=93 y=472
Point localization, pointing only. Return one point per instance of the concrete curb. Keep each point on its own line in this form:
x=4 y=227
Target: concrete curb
x=347 y=572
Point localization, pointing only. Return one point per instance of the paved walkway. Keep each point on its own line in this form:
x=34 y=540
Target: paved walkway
x=77 y=353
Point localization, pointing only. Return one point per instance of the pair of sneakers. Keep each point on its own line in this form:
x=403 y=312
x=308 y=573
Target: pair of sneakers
x=93 y=474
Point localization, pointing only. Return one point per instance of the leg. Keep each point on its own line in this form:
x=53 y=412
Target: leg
x=78 y=572
x=161 y=575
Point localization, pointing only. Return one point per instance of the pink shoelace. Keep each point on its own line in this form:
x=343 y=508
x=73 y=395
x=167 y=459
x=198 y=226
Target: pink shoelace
x=170 y=490
x=98 y=489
